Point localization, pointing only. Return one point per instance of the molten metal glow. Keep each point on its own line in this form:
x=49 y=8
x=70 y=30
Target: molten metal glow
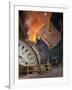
x=34 y=38
x=35 y=22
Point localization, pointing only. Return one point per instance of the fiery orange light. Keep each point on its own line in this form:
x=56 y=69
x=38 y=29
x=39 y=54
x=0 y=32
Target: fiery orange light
x=37 y=21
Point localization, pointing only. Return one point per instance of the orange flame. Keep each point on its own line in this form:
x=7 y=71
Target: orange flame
x=35 y=27
x=37 y=21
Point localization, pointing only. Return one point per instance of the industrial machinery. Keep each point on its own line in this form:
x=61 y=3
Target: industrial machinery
x=28 y=56
x=32 y=56
x=37 y=56
x=40 y=41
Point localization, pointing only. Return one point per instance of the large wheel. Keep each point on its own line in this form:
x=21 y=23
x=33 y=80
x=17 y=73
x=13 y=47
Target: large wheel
x=28 y=56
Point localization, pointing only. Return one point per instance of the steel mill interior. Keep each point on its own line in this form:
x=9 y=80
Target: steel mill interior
x=40 y=47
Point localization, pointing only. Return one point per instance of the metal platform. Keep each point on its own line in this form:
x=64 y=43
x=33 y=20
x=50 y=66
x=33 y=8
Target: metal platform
x=52 y=73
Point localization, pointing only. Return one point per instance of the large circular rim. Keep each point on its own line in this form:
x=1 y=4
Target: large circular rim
x=25 y=42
